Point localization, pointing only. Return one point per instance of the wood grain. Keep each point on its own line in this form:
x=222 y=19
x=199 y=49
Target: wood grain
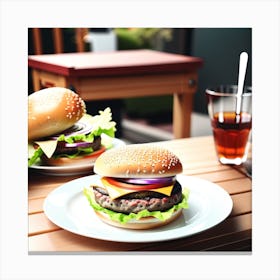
x=199 y=160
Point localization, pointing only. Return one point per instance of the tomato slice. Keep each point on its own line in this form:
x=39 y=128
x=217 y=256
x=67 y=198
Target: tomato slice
x=96 y=153
x=120 y=184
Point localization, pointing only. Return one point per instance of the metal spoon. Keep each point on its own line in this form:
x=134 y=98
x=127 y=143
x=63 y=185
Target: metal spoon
x=243 y=59
x=248 y=167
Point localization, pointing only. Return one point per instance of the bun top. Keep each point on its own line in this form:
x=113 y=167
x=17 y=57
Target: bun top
x=53 y=110
x=138 y=161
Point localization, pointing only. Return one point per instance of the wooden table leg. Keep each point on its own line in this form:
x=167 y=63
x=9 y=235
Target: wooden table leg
x=182 y=109
x=36 y=80
x=183 y=106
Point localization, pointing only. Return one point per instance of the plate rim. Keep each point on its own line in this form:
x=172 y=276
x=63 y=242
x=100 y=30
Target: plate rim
x=150 y=236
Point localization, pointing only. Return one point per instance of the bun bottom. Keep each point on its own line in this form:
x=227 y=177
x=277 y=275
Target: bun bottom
x=80 y=160
x=143 y=223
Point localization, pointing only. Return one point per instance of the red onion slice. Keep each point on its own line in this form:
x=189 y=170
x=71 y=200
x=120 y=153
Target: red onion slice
x=78 y=145
x=148 y=181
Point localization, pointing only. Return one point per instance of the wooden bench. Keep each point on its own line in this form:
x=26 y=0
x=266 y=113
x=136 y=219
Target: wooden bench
x=123 y=74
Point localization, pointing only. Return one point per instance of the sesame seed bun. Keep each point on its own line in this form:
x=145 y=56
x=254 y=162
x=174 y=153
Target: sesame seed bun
x=53 y=110
x=138 y=161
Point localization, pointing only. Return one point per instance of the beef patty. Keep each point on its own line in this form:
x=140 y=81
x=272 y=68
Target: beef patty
x=137 y=201
x=61 y=149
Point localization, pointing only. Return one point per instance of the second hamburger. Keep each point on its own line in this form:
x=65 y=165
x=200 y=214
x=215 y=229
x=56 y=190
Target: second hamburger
x=60 y=133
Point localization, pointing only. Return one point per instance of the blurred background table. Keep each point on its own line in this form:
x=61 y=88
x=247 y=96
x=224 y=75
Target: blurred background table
x=199 y=159
x=123 y=74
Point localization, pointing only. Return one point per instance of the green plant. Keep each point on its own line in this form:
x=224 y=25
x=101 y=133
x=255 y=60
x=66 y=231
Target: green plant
x=145 y=38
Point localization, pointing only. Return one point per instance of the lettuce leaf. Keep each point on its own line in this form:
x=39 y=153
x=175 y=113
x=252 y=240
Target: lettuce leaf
x=101 y=124
x=124 y=218
x=37 y=154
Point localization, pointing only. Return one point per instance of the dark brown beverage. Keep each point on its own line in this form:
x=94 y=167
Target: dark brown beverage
x=231 y=134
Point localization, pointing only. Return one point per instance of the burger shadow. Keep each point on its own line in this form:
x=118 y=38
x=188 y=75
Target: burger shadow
x=187 y=218
x=178 y=223
x=184 y=219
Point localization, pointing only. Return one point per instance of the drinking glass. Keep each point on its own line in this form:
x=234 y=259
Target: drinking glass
x=231 y=129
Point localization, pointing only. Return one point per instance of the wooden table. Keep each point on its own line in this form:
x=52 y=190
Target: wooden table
x=199 y=160
x=123 y=74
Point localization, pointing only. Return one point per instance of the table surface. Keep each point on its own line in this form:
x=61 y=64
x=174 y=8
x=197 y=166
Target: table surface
x=129 y=62
x=199 y=160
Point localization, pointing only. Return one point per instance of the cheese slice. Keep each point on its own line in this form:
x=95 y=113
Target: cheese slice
x=48 y=147
x=115 y=192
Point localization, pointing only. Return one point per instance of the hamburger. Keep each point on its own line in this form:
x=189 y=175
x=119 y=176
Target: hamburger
x=60 y=133
x=137 y=187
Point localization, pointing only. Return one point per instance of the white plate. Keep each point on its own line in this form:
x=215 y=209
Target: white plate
x=71 y=169
x=68 y=208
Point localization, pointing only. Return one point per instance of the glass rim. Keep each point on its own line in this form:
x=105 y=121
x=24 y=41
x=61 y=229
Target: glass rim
x=212 y=91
